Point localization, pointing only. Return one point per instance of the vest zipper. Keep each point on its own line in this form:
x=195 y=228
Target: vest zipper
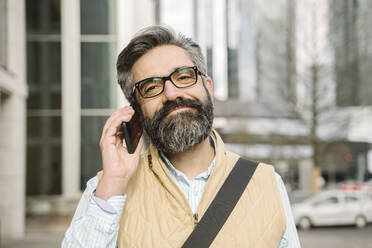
x=196 y=221
x=149 y=158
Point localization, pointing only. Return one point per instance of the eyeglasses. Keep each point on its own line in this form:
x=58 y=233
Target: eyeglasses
x=181 y=78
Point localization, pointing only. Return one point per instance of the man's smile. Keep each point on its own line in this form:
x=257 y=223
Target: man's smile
x=177 y=110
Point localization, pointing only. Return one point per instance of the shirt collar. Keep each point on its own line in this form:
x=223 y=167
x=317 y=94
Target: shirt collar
x=179 y=174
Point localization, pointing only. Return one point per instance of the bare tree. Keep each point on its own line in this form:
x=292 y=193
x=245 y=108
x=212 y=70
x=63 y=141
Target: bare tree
x=308 y=84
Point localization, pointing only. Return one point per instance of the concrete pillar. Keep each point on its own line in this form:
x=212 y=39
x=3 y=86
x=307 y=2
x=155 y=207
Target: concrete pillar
x=305 y=169
x=125 y=28
x=71 y=95
x=201 y=28
x=13 y=93
x=220 y=50
x=247 y=59
x=361 y=163
x=12 y=166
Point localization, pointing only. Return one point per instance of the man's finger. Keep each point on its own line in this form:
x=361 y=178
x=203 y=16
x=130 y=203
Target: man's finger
x=128 y=110
x=116 y=123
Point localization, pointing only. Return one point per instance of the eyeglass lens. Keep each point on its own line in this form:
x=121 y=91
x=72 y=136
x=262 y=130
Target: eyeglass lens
x=181 y=78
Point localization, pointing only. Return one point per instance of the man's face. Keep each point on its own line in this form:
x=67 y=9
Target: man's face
x=179 y=118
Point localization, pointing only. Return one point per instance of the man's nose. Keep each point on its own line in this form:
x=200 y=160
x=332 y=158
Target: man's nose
x=171 y=92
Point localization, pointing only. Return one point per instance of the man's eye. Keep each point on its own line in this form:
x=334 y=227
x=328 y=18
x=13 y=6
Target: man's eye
x=150 y=88
x=184 y=77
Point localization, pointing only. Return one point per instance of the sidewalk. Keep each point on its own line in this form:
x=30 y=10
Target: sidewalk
x=41 y=232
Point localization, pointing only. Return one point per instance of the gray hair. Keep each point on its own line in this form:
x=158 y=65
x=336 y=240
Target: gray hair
x=147 y=39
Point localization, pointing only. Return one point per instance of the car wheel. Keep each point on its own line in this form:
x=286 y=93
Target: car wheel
x=360 y=221
x=304 y=223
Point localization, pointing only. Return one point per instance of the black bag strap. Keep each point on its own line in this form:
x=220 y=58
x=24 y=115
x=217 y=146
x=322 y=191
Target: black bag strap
x=222 y=205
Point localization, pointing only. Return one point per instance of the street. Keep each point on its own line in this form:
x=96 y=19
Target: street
x=340 y=237
x=320 y=237
x=35 y=240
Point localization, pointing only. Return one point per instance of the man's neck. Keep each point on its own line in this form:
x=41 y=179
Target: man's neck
x=193 y=161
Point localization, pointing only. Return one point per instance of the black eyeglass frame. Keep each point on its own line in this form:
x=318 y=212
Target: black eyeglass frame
x=169 y=77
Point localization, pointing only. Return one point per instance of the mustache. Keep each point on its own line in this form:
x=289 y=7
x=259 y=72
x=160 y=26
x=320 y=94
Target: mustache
x=183 y=130
x=179 y=102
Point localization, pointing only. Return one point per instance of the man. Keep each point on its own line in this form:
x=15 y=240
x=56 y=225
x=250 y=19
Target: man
x=156 y=199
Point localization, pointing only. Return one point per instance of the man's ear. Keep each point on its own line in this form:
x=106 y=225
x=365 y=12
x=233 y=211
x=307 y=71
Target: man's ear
x=209 y=86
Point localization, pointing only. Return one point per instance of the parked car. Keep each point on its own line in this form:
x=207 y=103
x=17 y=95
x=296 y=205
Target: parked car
x=334 y=207
x=298 y=196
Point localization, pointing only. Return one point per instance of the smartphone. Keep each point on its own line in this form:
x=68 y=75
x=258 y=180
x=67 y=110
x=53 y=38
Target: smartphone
x=132 y=132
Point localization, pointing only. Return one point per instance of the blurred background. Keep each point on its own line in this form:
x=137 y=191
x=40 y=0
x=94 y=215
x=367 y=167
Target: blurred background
x=292 y=82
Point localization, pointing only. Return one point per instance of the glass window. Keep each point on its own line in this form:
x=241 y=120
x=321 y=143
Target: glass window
x=44 y=62
x=43 y=170
x=91 y=129
x=350 y=25
x=33 y=169
x=97 y=16
x=241 y=67
x=98 y=78
x=3 y=33
x=351 y=199
x=34 y=126
x=43 y=155
x=257 y=50
x=208 y=18
x=44 y=100
x=44 y=75
x=233 y=35
x=43 y=16
x=327 y=201
x=98 y=84
x=55 y=165
x=34 y=100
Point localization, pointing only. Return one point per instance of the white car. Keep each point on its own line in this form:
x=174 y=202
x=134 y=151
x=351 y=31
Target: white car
x=334 y=207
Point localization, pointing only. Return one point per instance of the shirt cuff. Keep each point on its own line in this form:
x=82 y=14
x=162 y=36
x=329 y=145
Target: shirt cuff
x=109 y=211
x=114 y=205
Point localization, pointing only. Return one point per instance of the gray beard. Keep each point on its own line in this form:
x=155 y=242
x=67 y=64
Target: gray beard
x=182 y=131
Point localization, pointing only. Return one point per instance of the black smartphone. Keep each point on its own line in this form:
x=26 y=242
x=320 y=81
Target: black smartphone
x=132 y=132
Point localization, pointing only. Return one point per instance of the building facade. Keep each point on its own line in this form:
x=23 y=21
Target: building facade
x=70 y=47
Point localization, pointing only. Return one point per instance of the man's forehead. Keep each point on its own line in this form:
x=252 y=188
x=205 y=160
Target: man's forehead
x=160 y=61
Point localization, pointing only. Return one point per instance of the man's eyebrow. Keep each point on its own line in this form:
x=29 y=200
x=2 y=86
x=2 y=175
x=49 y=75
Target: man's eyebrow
x=171 y=70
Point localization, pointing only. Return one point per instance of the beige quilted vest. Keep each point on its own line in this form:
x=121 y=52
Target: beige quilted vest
x=157 y=214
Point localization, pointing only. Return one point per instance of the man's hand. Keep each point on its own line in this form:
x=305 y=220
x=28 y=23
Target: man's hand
x=118 y=164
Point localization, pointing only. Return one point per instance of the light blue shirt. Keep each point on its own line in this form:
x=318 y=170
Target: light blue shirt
x=96 y=222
